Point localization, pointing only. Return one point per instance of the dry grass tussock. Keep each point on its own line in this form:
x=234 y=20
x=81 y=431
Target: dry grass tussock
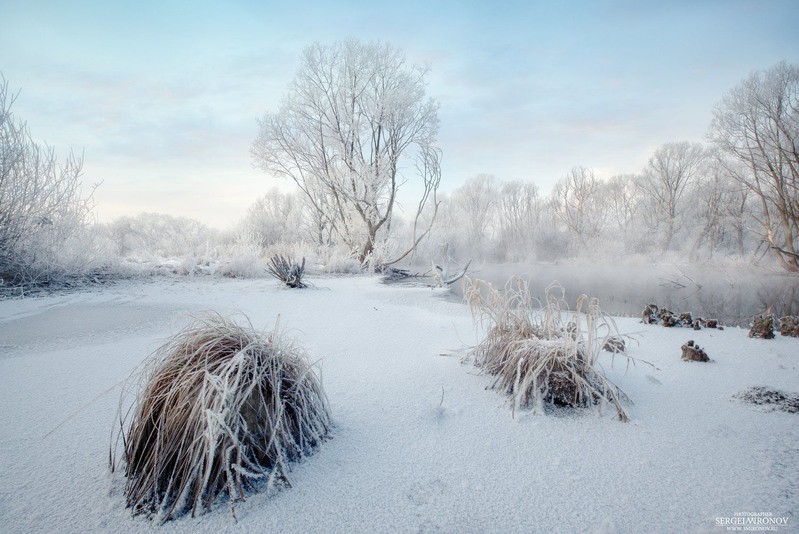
x=222 y=409
x=287 y=270
x=540 y=353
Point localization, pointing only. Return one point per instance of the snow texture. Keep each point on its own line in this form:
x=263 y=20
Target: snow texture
x=419 y=444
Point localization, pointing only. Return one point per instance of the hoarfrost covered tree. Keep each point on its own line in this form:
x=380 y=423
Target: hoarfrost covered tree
x=353 y=119
x=519 y=214
x=279 y=217
x=576 y=204
x=739 y=205
x=720 y=211
x=711 y=194
x=621 y=197
x=757 y=124
x=41 y=206
x=476 y=202
x=670 y=173
x=160 y=235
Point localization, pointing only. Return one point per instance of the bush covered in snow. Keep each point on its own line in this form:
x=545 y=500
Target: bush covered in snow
x=44 y=213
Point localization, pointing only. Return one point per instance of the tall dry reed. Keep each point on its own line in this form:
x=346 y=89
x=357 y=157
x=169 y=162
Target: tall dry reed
x=541 y=353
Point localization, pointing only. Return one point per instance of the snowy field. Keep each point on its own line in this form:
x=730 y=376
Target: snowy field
x=419 y=444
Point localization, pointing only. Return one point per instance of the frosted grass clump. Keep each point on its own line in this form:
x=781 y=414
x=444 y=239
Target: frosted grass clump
x=222 y=409
x=287 y=270
x=540 y=354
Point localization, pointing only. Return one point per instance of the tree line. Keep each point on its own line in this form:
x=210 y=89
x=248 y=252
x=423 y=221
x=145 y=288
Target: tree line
x=356 y=126
x=355 y=110
x=681 y=204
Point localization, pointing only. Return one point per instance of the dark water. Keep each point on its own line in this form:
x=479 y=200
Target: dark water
x=730 y=294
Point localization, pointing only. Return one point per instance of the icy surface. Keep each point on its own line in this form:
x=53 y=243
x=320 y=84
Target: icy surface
x=419 y=445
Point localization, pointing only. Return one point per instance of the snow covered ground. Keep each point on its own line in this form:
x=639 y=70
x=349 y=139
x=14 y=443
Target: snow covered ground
x=419 y=445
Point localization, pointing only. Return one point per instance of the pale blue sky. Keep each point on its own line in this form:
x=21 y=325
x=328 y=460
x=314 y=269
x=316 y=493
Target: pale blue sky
x=162 y=97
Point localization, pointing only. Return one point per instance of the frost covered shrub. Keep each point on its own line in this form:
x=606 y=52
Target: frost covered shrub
x=42 y=206
x=277 y=218
x=241 y=259
x=157 y=236
x=223 y=410
x=150 y=244
x=342 y=265
x=338 y=260
x=543 y=356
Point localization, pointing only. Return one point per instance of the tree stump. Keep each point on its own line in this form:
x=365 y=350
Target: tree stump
x=693 y=353
x=614 y=344
x=667 y=318
x=789 y=326
x=762 y=327
x=685 y=319
x=650 y=314
x=654 y=315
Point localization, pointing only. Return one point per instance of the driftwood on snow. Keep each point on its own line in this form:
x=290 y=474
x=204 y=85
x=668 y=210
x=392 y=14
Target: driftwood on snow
x=442 y=275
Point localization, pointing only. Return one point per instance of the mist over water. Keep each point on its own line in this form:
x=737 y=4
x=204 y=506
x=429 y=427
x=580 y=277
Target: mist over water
x=732 y=294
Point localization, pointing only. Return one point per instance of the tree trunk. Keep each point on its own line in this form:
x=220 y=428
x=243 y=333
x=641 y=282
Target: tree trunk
x=368 y=246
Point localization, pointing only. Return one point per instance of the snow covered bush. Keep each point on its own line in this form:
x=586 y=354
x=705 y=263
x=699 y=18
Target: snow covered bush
x=279 y=218
x=543 y=355
x=42 y=207
x=157 y=235
x=223 y=410
x=241 y=258
x=337 y=260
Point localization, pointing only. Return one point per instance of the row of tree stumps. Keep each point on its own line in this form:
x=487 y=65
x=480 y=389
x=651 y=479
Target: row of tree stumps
x=762 y=327
x=654 y=315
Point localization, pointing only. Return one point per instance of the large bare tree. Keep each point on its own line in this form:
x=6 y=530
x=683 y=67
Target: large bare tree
x=519 y=216
x=671 y=171
x=757 y=123
x=476 y=200
x=576 y=204
x=354 y=127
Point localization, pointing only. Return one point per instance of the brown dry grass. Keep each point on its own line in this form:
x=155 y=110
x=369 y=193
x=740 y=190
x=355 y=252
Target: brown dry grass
x=539 y=353
x=222 y=410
